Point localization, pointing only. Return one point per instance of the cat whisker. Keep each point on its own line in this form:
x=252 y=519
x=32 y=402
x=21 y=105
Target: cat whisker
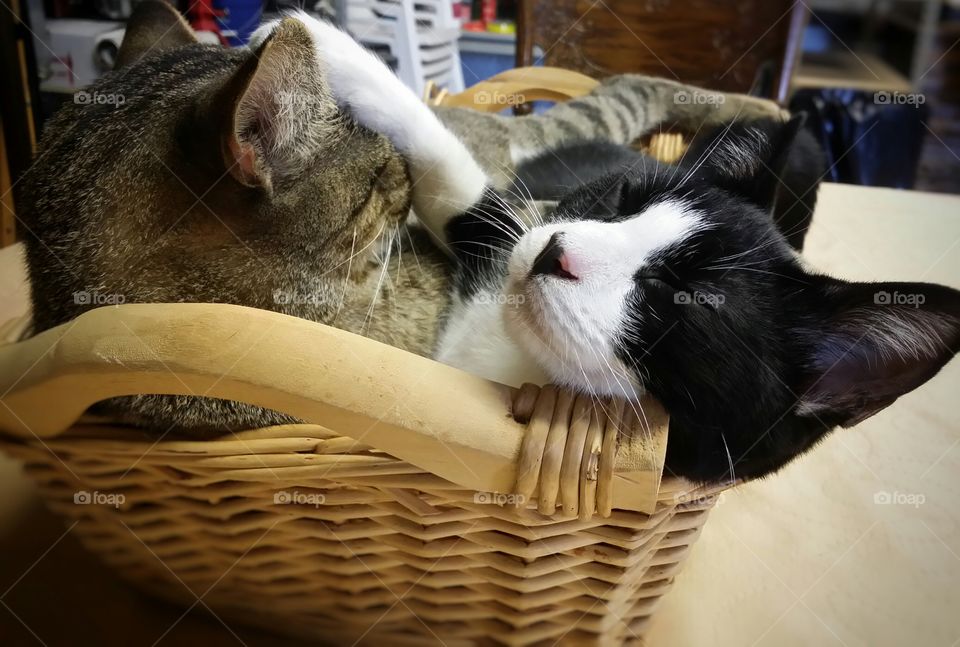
x=733 y=474
x=353 y=255
x=678 y=165
x=742 y=268
x=492 y=218
x=485 y=217
x=536 y=215
x=376 y=293
x=511 y=212
x=764 y=243
x=413 y=247
x=346 y=279
x=631 y=402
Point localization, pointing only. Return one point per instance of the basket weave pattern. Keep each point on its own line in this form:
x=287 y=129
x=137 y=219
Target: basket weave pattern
x=301 y=530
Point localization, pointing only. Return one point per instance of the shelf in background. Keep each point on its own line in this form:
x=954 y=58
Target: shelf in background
x=844 y=69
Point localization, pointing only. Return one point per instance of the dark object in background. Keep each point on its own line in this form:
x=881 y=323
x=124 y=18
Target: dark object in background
x=722 y=45
x=797 y=196
x=941 y=85
x=238 y=18
x=19 y=110
x=872 y=139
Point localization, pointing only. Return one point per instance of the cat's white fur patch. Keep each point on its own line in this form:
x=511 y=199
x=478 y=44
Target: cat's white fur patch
x=570 y=328
x=476 y=340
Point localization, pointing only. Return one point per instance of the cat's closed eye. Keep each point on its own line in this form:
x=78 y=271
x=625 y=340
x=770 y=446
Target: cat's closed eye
x=681 y=293
x=660 y=280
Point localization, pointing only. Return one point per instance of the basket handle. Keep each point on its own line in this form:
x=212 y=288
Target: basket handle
x=453 y=424
x=13 y=330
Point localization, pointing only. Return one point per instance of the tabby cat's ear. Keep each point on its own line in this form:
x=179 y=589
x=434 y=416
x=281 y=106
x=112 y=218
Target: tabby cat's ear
x=748 y=158
x=154 y=26
x=276 y=110
x=874 y=343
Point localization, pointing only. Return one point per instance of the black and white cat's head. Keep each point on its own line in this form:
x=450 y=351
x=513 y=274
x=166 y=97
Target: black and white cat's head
x=678 y=283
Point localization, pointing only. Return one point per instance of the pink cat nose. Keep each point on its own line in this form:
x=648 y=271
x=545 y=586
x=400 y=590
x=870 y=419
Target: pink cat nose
x=553 y=261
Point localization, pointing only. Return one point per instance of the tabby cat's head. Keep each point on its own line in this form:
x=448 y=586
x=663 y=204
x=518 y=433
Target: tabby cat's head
x=196 y=173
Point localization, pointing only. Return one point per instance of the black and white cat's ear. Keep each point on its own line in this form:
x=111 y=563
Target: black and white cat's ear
x=874 y=343
x=154 y=26
x=748 y=158
x=276 y=110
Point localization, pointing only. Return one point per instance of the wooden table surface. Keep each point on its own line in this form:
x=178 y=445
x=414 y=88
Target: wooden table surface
x=811 y=556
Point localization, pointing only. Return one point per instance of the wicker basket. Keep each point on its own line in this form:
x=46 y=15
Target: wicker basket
x=380 y=520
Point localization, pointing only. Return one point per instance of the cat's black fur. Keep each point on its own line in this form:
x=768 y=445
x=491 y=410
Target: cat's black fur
x=550 y=176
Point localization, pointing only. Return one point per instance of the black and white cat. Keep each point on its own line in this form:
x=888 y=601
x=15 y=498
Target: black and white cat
x=673 y=281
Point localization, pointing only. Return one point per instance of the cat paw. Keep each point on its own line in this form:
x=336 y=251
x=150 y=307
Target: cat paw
x=446 y=178
x=745 y=107
x=364 y=86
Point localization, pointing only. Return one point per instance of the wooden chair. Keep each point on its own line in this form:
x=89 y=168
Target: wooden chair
x=728 y=45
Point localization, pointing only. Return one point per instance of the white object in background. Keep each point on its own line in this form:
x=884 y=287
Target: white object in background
x=209 y=37
x=106 y=48
x=74 y=61
x=421 y=35
x=115 y=9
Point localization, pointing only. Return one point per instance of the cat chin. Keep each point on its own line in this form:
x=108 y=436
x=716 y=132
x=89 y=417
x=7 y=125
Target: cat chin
x=592 y=371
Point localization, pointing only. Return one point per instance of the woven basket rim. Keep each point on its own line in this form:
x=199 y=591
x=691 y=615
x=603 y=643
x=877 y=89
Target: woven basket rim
x=449 y=419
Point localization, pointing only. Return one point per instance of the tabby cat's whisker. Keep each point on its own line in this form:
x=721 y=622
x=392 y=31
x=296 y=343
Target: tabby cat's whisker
x=376 y=293
x=413 y=247
x=346 y=279
x=373 y=240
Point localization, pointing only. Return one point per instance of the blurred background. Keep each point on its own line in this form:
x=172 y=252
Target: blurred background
x=879 y=79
